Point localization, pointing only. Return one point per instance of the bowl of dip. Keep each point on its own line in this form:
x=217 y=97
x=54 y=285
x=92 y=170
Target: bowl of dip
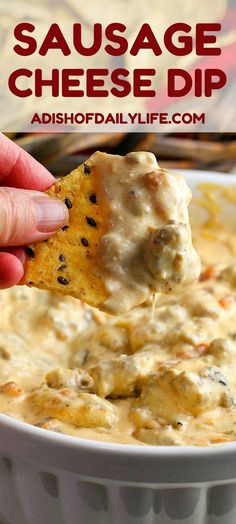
x=184 y=472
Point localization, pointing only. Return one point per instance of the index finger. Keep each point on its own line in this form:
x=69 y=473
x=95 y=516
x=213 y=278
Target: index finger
x=19 y=169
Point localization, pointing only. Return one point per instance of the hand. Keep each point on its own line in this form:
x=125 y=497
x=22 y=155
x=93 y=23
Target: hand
x=26 y=214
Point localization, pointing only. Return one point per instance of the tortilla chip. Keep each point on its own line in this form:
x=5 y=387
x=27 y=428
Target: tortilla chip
x=66 y=262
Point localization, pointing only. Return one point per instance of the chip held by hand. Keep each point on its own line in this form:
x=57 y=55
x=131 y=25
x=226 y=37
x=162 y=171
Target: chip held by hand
x=128 y=234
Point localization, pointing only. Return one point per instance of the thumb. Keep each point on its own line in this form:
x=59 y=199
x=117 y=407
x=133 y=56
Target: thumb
x=28 y=216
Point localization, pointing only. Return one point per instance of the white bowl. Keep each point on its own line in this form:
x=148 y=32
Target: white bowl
x=49 y=478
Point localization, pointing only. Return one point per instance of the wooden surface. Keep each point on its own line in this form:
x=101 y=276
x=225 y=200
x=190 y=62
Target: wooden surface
x=62 y=152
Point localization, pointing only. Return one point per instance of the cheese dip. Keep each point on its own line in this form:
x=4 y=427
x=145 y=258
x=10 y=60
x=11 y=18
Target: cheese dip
x=148 y=244
x=163 y=375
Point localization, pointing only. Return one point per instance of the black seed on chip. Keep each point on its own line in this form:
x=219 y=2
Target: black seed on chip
x=64 y=228
x=68 y=203
x=91 y=221
x=62 y=258
x=61 y=268
x=87 y=169
x=85 y=242
x=93 y=199
x=63 y=281
x=30 y=252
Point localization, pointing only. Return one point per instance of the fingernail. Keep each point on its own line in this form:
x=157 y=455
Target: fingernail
x=50 y=213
